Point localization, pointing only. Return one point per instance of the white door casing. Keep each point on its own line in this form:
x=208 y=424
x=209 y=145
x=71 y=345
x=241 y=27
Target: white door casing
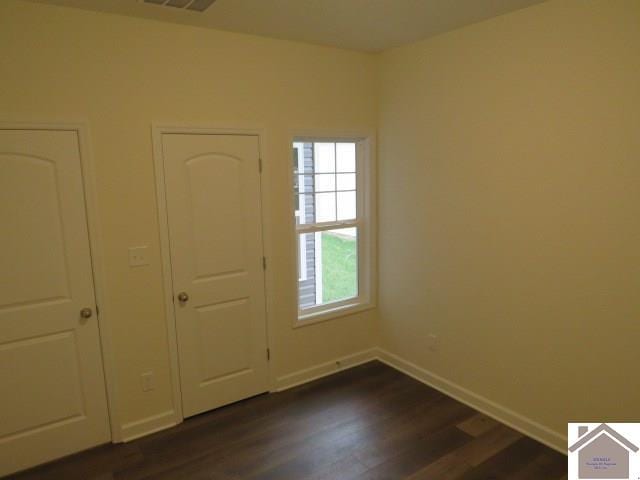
x=213 y=206
x=52 y=393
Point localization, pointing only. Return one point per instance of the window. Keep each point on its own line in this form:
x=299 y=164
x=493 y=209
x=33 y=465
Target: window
x=332 y=228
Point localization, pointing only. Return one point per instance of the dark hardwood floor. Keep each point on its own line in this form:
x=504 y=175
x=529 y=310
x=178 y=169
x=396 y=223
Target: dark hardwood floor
x=370 y=422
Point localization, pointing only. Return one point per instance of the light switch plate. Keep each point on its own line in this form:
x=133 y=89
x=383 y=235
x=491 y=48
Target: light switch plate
x=147 y=381
x=138 y=256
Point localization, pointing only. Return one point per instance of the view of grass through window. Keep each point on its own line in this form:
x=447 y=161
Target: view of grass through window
x=339 y=267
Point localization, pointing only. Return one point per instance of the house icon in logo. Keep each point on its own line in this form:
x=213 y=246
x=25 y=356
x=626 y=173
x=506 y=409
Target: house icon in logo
x=603 y=453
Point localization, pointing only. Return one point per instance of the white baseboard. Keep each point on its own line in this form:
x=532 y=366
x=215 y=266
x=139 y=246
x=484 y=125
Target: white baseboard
x=322 y=370
x=515 y=420
x=490 y=408
x=147 y=426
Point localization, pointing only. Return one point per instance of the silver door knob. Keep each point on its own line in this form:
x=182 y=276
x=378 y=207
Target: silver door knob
x=183 y=297
x=86 y=312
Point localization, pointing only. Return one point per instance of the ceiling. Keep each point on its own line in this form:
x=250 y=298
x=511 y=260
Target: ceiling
x=367 y=25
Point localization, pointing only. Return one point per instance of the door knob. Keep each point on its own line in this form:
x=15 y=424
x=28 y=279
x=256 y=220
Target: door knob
x=183 y=297
x=86 y=312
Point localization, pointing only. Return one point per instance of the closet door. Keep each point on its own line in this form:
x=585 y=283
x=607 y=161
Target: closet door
x=52 y=399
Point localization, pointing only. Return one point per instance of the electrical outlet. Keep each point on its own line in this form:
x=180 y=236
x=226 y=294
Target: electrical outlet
x=432 y=342
x=147 y=381
x=138 y=256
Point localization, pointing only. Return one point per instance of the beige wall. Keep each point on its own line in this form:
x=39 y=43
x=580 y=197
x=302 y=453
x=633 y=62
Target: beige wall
x=120 y=74
x=509 y=218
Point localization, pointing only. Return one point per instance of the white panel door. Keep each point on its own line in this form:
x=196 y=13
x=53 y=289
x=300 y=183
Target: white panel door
x=52 y=393
x=215 y=231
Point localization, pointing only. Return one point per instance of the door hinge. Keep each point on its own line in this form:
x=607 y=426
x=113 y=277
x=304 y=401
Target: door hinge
x=268 y=354
x=260 y=165
x=264 y=263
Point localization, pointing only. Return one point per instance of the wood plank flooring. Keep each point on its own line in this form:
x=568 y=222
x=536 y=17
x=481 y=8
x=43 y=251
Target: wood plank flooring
x=369 y=422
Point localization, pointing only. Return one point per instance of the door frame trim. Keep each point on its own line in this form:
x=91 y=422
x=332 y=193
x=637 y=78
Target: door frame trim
x=157 y=130
x=88 y=175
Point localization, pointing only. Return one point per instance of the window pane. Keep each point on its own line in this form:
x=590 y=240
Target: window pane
x=339 y=264
x=321 y=207
x=346 y=205
x=346 y=181
x=324 y=157
x=325 y=182
x=325 y=207
x=306 y=270
x=329 y=267
x=346 y=161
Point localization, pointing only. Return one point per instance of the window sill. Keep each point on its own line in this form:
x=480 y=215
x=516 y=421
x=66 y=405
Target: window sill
x=330 y=314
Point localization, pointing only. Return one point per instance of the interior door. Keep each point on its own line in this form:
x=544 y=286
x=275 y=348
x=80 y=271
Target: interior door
x=215 y=231
x=52 y=393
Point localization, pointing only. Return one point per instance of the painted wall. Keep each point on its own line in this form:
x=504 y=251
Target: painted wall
x=509 y=218
x=120 y=74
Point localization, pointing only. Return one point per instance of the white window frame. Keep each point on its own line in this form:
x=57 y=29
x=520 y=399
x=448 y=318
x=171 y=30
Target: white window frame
x=301 y=213
x=365 y=223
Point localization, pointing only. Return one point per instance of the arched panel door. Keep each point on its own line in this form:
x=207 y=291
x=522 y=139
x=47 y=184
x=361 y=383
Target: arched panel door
x=213 y=205
x=52 y=393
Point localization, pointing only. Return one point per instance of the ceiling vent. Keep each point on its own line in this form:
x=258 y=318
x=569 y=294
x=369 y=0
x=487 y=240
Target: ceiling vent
x=194 y=5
